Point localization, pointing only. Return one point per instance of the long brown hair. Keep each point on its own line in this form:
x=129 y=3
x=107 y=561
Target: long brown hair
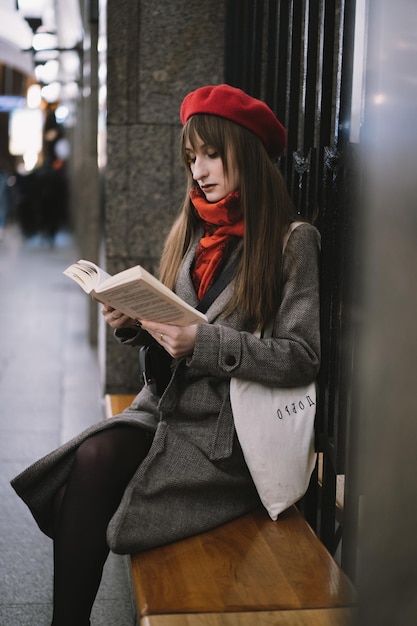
x=267 y=211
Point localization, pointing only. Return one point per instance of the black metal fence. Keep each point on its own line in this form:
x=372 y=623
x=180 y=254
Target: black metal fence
x=297 y=55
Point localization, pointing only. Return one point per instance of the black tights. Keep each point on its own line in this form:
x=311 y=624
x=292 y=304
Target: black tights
x=102 y=468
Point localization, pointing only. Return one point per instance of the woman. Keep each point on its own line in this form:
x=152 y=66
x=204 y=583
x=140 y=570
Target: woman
x=171 y=466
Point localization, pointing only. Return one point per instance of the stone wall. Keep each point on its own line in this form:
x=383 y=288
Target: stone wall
x=158 y=51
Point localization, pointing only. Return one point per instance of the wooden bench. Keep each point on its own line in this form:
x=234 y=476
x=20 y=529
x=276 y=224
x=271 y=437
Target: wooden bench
x=250 y=571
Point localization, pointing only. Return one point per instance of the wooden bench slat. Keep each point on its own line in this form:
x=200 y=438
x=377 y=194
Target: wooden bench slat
x=308 y=617
x=116 y=403
x=248 y=564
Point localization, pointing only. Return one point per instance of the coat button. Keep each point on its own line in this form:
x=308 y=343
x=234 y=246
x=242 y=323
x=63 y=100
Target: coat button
x=230 y=360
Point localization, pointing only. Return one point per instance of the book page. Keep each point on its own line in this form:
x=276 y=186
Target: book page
x=87 y=274
x=142 y=301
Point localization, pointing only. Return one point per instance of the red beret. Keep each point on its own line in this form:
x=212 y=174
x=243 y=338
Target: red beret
x=235 y=105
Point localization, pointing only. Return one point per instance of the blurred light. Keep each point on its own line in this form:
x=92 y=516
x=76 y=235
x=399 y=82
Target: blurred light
x=61 y=113
x=69 y=65
x=51 y=93
x=25 y=131
x=44 y=9
x=44 y=41
x=34 y=97
x=102 y=97
x=379 y=98
x=51 y=134
x=30 y=160
x=8 y=103
x=45 y=55
x=70 y=91
x=13 y=28
x=47 y=73
x=102 y=44
x=102 y=72
x=62 y=149
x=71 y=119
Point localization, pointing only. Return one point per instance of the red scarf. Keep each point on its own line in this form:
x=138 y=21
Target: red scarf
x=222 y=222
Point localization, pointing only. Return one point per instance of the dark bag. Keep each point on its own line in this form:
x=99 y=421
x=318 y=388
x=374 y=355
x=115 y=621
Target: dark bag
x=154 y=361
x=155 y=367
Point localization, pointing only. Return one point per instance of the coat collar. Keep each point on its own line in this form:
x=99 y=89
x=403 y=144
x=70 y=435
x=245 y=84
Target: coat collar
x=185 y=288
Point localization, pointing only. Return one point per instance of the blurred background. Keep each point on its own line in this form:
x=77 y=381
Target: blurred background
x=41 y=60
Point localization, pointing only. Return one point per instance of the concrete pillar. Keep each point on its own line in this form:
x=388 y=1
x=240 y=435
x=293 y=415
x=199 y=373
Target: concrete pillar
x=85 y=195
x=158 y=51
x=387 y=570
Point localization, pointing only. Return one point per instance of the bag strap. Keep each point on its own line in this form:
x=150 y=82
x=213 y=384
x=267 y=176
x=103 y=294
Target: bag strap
x=267 y=330
x=291 y=228
x=217 y=287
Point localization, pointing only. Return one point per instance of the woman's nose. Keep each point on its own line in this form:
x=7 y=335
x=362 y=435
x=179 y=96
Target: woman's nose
x=199 y=169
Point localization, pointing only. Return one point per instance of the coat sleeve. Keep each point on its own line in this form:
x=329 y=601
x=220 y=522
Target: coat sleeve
x=292 y=356
x=133 y=337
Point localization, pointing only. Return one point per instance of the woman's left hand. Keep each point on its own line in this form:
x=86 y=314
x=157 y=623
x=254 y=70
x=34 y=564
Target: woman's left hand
x=178 y=341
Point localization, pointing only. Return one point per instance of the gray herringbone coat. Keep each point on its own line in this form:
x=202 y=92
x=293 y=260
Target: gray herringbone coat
x=194 y=477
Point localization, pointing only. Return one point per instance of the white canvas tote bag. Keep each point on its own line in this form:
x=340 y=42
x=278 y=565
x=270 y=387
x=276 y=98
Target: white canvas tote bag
x=275 y=428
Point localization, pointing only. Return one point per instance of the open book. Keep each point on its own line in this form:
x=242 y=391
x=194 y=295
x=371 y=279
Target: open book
x=135 y=292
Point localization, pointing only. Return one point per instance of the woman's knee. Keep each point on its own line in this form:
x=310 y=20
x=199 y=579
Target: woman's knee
x=114 y=445
x=92 y=451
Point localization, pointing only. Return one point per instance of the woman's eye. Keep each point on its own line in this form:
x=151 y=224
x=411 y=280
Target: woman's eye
x=190 y=159
x=213 y=155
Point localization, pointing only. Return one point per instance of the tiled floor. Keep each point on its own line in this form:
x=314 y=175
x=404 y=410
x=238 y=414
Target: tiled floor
x=49 y=390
